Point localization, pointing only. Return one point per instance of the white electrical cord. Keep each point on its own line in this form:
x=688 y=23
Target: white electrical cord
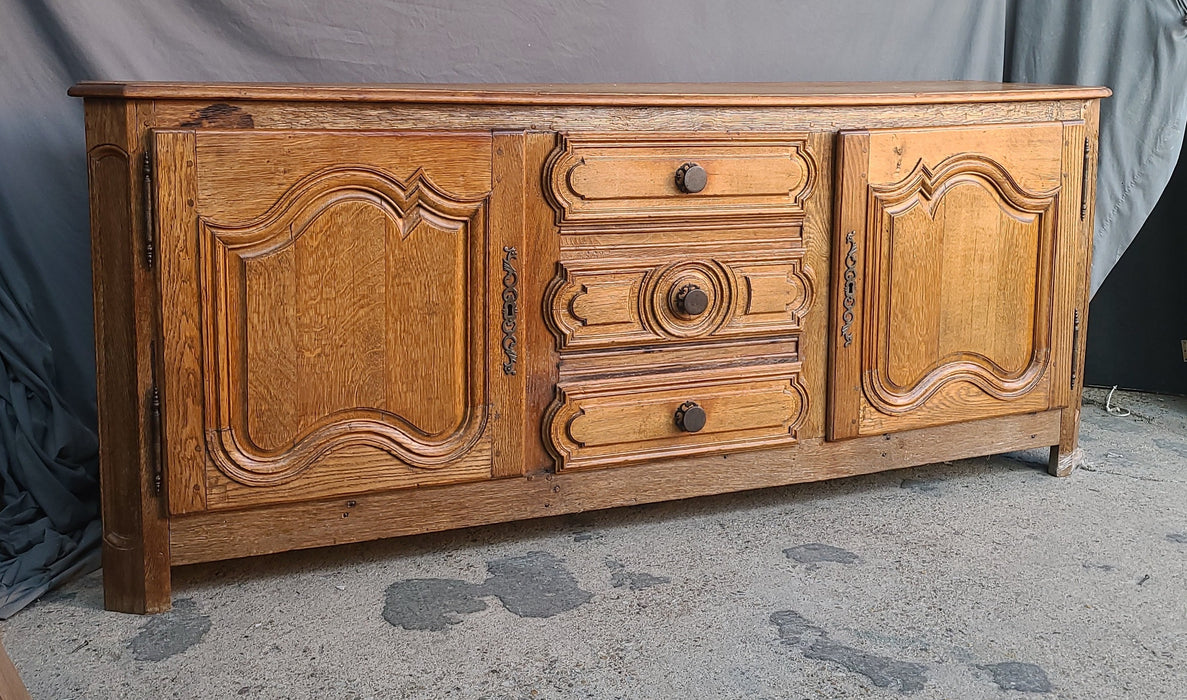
x=1115 y=410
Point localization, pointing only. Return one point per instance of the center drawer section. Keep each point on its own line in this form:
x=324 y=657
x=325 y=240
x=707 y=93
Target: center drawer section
x=612 y=422
x=655 y=180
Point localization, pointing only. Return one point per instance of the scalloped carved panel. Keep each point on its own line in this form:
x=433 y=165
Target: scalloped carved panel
x=346 y=319
x=343 y=328
x=954 y=281
x=612 y=303
x=613 y=422
x=600 y=179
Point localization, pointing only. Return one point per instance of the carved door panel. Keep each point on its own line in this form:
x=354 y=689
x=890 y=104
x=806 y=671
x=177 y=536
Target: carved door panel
x=330 y=318
x=951 y=286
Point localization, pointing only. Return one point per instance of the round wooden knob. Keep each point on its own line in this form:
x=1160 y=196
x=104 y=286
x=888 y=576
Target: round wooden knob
x=691 y=178
x=690 y=417
x=691 y=300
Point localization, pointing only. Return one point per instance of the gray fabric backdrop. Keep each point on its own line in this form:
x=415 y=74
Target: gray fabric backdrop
x=1135 y=46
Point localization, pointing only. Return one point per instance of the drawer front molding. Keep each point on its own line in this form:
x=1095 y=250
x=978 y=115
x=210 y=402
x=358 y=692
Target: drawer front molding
x=595 y=180
x=599 y=303
x=619 y=421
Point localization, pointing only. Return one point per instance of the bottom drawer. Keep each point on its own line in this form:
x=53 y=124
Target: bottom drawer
x=611 y=422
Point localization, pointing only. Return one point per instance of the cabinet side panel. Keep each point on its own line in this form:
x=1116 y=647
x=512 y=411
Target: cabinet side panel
x=135 y=529
x=1069 y=245
x=1065 y=455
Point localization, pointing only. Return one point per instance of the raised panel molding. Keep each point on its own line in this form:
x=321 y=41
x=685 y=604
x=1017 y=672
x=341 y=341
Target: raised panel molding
x=602 y=303
x=616 y=421
x=924 y=191
x=599 y=179
x=412 y=209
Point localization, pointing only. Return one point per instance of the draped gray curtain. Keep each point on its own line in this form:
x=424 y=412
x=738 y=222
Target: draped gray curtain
x=1138 y=48
x=47 y=413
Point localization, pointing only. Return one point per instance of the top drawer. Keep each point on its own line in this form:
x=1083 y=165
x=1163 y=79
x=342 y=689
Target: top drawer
x=662 y=180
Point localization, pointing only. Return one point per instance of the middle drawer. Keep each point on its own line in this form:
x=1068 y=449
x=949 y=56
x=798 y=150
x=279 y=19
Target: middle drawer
x=596 y=303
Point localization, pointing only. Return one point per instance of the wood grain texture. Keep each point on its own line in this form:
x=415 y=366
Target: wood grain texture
x=272 y=116
x=344 y=314
x=848 y=250
x=1067 y=455
x=250 y=170
x=817 y=249
x=135 y=527
x=667 y=94
x=184 y=445
x=614 y=421
x=599 y=302
x=507 y=286
x=223 y=535
x=629 y=180
x=540 y=266
x=1069 y=242
x=958 y=268
x=11 y=686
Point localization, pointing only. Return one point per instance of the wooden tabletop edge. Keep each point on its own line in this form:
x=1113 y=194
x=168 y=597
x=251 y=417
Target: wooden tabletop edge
x=624 y=94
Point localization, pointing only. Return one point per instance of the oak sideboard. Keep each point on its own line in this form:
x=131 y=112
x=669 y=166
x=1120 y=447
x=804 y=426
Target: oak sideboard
x=333 y=313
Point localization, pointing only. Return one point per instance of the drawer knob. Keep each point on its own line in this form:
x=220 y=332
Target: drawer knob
x=691 y=178
x=691 y=300
x=690 y=417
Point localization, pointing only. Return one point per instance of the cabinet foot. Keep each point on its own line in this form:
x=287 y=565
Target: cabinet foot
x=136 y=572
x=1064 y=463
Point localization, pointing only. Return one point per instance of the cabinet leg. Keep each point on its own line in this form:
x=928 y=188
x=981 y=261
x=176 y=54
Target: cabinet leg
x=1067 y=456
x=135 y=572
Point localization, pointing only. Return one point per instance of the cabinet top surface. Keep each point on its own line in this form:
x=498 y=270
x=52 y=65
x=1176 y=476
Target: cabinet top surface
x=626 y=94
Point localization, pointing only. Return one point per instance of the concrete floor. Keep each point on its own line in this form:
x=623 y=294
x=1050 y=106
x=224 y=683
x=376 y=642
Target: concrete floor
x=983 y=578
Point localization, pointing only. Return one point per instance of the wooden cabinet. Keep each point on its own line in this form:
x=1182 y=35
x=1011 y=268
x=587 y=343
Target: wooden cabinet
x=327 y=314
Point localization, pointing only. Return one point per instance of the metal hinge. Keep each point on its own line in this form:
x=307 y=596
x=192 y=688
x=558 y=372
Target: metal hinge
x=1075 y=344
x=154 y=430
x=1084 y=181
x=149 y=219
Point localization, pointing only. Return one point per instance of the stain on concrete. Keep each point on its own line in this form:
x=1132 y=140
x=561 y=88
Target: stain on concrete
x=882 y=671
x=170 y=633
x=533 y=585
x=1093 y=566
x=431 y=603
x=815 y=552
x=634 y=580
x=1015 y=675
x=816 y=644
x=931 y=486
x=586 y=536
x=1179 y=537
x=794 y=629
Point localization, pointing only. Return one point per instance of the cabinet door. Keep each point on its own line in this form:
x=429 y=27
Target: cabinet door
x=953 y=261
x=330 y=319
